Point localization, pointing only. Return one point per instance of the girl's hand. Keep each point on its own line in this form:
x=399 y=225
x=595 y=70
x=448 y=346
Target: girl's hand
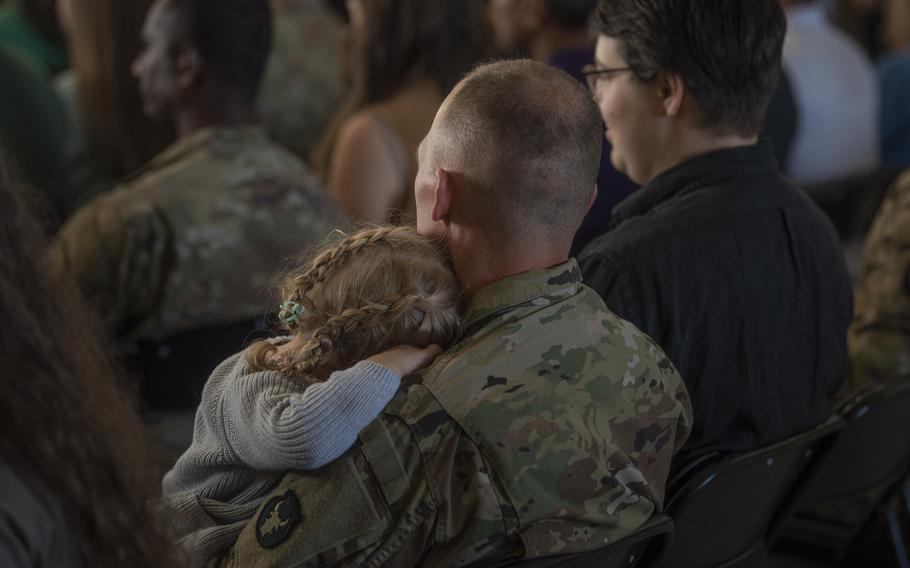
x=405 y=359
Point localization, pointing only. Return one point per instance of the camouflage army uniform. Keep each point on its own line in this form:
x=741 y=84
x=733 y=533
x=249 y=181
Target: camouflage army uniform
x=548 y=429
x=303 y=81
x=879 y=337
x=194 y=240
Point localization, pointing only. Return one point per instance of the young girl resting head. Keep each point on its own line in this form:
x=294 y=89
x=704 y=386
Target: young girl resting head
x=364 y=313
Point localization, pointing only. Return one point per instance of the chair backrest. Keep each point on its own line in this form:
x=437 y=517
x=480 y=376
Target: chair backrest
x=723 y=512
x=644 y=548
x=873 y=451
x=174 y=371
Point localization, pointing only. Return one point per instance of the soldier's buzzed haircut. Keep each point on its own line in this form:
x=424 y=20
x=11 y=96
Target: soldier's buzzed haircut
x=234 y=38
x=529 y=137
x=728 y=52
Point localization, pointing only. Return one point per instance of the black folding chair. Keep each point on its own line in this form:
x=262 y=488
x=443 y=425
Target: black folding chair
x=173 y=371
x=724 y=510
x=864 y=472
x=644 y=548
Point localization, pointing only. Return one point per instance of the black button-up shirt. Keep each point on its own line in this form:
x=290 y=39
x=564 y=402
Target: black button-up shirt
x=741 y=279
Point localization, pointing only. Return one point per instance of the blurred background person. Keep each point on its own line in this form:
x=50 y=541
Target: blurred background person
x=879 y=338
x=76 y=470
x=191 y=241
x=30 y=27
x=894 y=81
x=303 y=83
x=405 y=57
x=557 y=32
x=32 y=130
x=109 y=135
x=837 y=98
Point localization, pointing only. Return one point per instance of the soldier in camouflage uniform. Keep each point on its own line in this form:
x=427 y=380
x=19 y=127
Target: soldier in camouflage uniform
x=193 y=239
x=879 y=337
x=549 y=427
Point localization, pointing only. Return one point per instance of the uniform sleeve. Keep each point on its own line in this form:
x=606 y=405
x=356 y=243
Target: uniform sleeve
x=120 y=258
x=880 y=332
x=274 y=428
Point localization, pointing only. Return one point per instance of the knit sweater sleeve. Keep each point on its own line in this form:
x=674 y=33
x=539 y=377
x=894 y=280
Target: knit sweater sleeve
x=272 y=426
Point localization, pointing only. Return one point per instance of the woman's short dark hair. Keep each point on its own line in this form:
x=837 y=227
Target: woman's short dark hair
x=728 y=52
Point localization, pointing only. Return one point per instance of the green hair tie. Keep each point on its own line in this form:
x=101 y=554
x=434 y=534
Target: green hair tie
x=290 y=313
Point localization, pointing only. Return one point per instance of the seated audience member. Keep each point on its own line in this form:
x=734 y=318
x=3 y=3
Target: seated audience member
x=894 y=82
x=109 y=135
x=303 y=82
x=557 y=32
x=549 y=427
x=192 y=240
x=880 y=333
x=32 y=128
x=406 y=56
x=837 y=98
x=76 y=469
x=31 y=28
x=727 y=265
x=274 y=408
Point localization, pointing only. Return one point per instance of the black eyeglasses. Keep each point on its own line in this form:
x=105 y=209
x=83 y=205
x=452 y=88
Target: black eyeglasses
x=592 y=74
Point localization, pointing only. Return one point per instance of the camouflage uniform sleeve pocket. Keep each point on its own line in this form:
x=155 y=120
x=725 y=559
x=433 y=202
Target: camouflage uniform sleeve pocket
x=333 y=516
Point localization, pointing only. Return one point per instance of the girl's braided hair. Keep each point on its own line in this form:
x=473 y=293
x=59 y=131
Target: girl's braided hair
x=375 y=289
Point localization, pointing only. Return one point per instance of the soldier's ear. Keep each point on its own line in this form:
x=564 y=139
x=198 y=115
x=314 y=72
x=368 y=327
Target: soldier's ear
x=442 y=203
x=188 y=66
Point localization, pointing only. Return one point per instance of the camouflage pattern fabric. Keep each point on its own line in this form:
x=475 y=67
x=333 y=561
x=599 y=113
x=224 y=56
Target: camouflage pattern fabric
x=879 y=338
x=548 y=429
x=303 y=82
x=194 y=240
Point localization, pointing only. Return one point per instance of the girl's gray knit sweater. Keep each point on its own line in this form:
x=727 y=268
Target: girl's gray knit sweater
x=251 y=427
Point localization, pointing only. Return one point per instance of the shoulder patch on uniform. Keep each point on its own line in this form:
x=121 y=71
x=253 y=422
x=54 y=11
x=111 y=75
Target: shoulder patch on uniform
x=277 y=519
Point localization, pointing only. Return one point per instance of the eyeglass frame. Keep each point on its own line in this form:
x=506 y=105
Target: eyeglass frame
x=592 y=73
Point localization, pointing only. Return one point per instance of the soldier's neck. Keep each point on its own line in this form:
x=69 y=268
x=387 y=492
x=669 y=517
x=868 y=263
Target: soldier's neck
x=226 y=110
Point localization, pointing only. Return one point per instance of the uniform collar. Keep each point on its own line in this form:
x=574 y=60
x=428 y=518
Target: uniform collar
x=509 y=293
x=222 y=140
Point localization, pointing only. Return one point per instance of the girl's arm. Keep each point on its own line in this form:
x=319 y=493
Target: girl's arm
x=280 y=428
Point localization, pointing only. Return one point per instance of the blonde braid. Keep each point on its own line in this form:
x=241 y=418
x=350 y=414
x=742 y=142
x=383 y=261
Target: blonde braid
x=327 y=338
x=326 y=263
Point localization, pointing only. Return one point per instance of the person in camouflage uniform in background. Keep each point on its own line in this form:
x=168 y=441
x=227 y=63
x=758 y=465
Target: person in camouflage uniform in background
x=879 y=338
x=303 y=83
x=549 y=427
x=193 y=239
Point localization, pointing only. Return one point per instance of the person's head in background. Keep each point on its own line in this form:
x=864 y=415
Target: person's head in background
x=508 y=170
x=69 y=433
x=398 y=42
x=540 y=28
x=203 y=61
x=675 y=80
x=104 y=40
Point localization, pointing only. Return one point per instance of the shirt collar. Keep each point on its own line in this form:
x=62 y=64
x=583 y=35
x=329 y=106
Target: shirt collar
x=697 y=172
x=221 y=139
x=513 y=291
